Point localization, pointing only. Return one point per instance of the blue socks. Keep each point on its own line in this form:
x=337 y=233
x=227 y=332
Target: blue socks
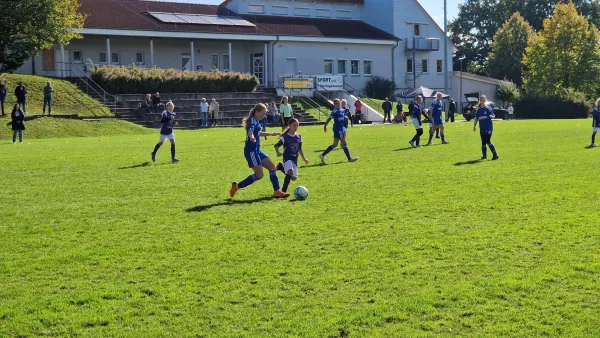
x=430 y=135
x=493 y=149
x=249 y=180
x=443 y=137
x=274 y=180
x=484 y=150
x=328 y=150
x=347 y=152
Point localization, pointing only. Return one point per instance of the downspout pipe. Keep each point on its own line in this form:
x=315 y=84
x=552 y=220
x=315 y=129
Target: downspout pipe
x=273 y=60
x=393 y=60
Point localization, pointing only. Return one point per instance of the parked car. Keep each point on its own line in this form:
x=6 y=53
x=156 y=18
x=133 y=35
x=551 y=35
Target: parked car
x=473 y=99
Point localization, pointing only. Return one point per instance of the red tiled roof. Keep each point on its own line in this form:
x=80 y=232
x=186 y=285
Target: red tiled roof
x=133 y=15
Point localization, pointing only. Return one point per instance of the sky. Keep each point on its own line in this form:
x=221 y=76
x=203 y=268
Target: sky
x=434 y=7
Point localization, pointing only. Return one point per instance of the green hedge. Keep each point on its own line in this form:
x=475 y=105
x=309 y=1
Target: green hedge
x=136 y=80
x=533 y=107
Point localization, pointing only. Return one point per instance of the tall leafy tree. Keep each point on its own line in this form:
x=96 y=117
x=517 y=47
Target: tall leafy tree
x=564 y=57
x=28 y=26
x=508 y=49
x=478 y=20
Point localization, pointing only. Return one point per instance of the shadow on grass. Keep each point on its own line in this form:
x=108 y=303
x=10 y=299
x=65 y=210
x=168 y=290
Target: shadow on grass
x=467 y=162
x=318 y=165
x=201 y=208
x=403 y=149
x=590 y=147
x=145 y=164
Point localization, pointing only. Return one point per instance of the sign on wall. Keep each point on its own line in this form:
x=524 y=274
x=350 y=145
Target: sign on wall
x=299 y=83
x=330 y=82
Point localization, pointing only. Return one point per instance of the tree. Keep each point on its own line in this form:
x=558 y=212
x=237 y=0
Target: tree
x=508 y=92
x=379 y=87
x=565 y=56
x=28 y=26
x=478 y=20
x=508 y=49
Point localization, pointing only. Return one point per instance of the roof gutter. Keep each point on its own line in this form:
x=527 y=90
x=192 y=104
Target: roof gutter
x=273 y=60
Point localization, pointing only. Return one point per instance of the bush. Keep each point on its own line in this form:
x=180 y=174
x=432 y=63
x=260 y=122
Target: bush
x=508 y=92
x=379 y=87
x=136 y=80
x=539 y=107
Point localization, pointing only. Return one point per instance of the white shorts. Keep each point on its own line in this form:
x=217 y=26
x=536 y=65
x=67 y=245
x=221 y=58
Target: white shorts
x=416 y=123
x=596 y=129
x=289 y=165
x=163 y=138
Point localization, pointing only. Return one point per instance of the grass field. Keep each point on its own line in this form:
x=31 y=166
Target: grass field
x=97 y=242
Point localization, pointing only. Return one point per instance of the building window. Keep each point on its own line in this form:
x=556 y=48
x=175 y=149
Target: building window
x=354 y=67
x=139 y=58
x=103 y=57
x=279 y=10
x=343 y=14
x=367 y=64
x=302 y=11
x=440 y=67
x=342 y=67
x=225 y=62
x=260 y=9
x=328 y=66
x=115 y=58
x=417 y=29
x=323 y=13
x=425 y=67
x=77 y=56
x=409 y=65
x=214 y=62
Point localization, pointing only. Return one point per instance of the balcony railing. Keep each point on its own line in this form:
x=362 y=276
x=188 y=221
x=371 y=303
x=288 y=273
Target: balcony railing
x=423 y=44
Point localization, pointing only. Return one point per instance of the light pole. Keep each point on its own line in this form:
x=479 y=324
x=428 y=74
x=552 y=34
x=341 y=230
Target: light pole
x=461 y=76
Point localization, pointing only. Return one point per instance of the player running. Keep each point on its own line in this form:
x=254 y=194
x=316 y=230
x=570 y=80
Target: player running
x=339 y=133
x=416 y=121
x=292 y=146
x=256 y=158
x=166 y=132
x=595 y=123
x=435 y=115
x=484 y=115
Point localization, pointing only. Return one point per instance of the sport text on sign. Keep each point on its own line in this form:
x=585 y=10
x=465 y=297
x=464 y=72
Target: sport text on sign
x=330 y=82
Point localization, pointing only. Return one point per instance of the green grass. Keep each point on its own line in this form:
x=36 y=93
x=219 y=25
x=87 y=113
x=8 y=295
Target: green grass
x=67 y=98
x=97 y=242
x=320 y=115
x=53 y=127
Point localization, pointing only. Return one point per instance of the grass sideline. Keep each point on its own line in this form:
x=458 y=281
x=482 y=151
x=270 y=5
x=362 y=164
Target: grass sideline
x=46 y=127
x=67 y=98
x=98 y=242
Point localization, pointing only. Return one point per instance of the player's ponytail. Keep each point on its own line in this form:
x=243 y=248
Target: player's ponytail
x=292 y=120
x=258 y=107
x=597 y=104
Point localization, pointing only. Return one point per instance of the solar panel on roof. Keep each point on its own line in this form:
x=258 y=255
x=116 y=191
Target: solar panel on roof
x=237 y=21
x=215 y=20
x=195 y=19
x=167 y=17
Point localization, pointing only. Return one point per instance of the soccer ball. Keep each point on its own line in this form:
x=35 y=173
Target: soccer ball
x=301 y=193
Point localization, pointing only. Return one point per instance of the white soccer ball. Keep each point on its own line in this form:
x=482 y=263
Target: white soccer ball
x=301 y=193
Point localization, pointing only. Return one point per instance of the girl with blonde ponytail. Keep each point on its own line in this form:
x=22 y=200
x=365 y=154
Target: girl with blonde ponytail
x=256 y=158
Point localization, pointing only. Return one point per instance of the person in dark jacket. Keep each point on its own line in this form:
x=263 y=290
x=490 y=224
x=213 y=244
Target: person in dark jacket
x=18 y=124
x=156 y=102
x=2 y=96
x=399 y=112
x=48 y=90
x=451 y=111
x=20 y=94
x=387 y=110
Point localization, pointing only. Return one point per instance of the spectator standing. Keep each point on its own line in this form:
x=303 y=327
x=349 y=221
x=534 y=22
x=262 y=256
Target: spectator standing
x=48 y=90
x=387 y=110
x=286 y=111
x=18 y=123
x=204 y=106
x=274 y=112
x=214 y=112
x=511 y=111
x=2 y=96
x=451 y=111
x=156 y=102
x=21 y=95
x=357 y=110
x=399 y=112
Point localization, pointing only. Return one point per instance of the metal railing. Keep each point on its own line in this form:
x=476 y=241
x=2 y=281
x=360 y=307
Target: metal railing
x=108 y=99
x=307 y=100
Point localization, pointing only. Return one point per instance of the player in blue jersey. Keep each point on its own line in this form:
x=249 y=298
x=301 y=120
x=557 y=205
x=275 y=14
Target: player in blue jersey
x=416 y=121
x=346 y=110
x=484 y=115
x=435 y=115
x=292 y=147
x=339 y=131
x=595 y=123
x=256 y=158
x=166 y=132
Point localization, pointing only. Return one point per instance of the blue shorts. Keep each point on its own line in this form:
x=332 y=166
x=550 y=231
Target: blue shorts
x=255 y=158
x=437 y=121
x=340 y=134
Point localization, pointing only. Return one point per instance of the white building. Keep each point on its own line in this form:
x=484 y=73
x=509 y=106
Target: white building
x=358 y=39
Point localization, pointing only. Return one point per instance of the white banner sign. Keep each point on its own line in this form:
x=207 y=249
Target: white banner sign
x=330 y=82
